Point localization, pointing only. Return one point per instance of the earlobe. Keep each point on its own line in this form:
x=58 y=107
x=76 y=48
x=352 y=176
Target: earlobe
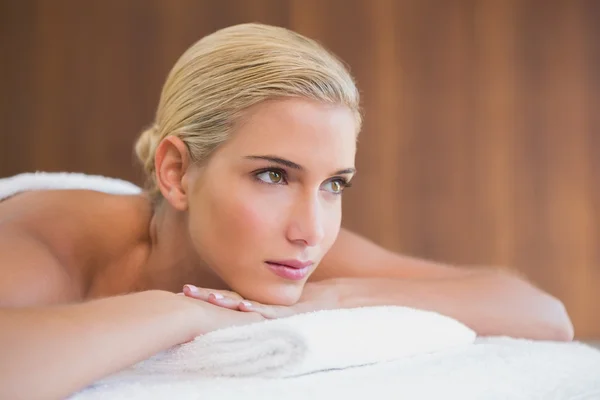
x=172 y=161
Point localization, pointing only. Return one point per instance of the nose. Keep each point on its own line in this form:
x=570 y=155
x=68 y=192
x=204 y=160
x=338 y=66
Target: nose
x=306 y=223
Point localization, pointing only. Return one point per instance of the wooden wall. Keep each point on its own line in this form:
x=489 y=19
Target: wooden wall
x=482 y=133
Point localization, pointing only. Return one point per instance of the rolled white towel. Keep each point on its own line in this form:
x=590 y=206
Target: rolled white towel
x=307 y=343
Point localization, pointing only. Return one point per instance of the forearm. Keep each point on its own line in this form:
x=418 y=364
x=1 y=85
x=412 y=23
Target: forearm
x=492 y=303
x=52 y=352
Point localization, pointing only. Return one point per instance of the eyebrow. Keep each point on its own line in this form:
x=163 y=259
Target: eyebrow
x=293 y=165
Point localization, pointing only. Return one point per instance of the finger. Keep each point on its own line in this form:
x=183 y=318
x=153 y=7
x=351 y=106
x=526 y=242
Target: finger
x=223 y=301
x=196 y=292
x=202 y=293
x=269 y=312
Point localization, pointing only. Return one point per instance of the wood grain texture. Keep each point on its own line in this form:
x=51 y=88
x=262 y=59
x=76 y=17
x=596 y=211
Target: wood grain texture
x=481 y=141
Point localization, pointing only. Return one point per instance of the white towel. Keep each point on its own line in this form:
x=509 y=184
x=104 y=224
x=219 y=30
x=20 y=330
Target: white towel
x=307 y=343
x=490 y=369
x=63 y=180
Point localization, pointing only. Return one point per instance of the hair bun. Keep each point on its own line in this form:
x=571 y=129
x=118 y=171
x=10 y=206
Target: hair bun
x=144 y=148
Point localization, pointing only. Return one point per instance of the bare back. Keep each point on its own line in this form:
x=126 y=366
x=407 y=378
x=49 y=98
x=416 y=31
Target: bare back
x=55 y=243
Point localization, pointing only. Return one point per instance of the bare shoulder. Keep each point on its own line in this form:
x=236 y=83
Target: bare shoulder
x=50 y=241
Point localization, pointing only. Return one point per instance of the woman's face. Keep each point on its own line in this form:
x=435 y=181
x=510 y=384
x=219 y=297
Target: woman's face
x=267 y=206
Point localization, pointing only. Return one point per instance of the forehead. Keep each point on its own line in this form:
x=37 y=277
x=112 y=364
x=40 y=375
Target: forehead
x=306 y=132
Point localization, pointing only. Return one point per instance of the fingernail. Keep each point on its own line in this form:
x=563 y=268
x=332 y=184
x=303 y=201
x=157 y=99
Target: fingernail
x=247 y=303
x=218 y=296
x=191 y=288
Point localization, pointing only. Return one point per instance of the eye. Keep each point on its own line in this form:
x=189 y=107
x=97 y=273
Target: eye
x=271 y=176
x=337 y=186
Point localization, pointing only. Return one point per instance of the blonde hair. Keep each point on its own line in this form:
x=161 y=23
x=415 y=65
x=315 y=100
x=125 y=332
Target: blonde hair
x=228 y=71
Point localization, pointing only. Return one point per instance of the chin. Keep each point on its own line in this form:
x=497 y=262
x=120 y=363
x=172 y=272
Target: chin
x=275 y=294
x=285 y=300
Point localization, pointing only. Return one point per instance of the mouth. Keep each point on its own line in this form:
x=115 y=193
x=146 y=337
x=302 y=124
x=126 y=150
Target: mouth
x=290 y=269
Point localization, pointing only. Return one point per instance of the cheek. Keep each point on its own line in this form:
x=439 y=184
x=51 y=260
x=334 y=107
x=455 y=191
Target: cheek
x=332 y=224
x=248 y=219
x=253 y=217
x=330 y=221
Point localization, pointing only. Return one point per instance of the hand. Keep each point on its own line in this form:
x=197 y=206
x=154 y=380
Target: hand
x=221 y=298
x=322 y=295
x=204 y=317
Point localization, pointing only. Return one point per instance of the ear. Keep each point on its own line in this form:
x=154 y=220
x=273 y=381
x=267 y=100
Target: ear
x=172 y=161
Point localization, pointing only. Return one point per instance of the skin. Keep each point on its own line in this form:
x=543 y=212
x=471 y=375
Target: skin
x=114 y=263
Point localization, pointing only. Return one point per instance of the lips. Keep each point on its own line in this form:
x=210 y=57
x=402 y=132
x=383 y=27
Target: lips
x=290 y=269
x=292 y=263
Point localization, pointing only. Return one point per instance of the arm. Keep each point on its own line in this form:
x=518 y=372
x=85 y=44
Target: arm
x=490 y=301
x=52 y=345
x=53 y=351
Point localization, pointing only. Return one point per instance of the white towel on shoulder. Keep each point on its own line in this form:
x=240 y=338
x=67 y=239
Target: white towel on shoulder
x=63 y=180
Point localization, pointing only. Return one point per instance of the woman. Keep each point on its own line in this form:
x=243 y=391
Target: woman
x=253 y=144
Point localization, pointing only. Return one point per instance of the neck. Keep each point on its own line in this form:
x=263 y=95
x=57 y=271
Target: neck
x=172 y=259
